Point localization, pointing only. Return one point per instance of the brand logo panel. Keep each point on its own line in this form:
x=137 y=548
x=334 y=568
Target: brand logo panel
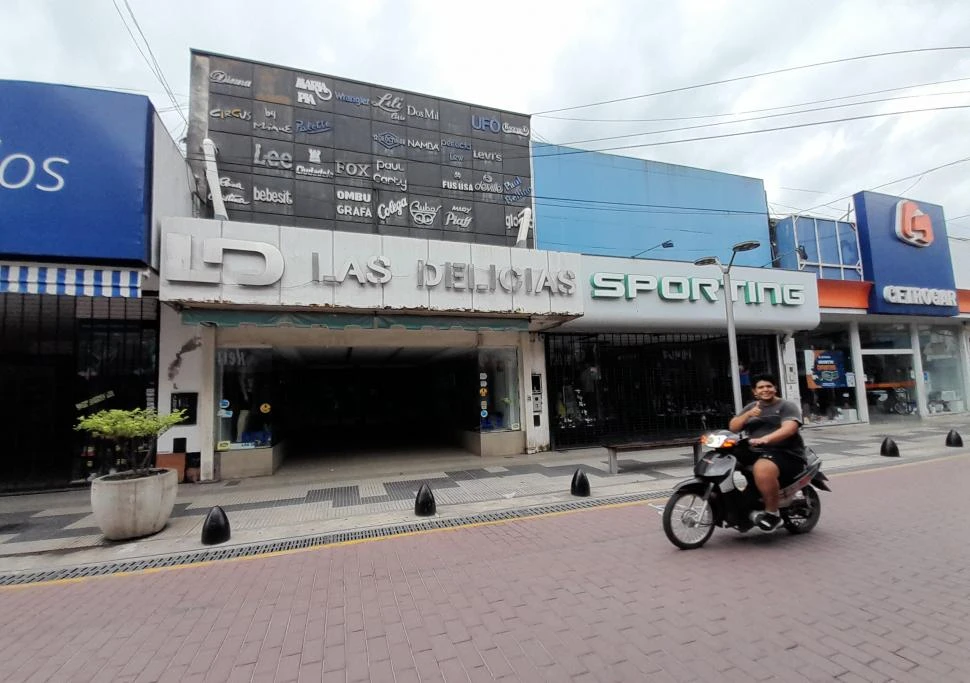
x=906 y=254
x=912 y=225
x=388 y=156
x=75 y=173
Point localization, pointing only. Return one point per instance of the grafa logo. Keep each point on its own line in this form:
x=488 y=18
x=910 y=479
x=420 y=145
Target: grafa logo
x=913 y=226
x=19 y=170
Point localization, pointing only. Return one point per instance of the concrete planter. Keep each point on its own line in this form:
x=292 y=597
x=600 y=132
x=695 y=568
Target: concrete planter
x=131 y=508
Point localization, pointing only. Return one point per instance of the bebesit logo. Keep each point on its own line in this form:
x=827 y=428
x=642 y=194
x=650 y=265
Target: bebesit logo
x=912 y=225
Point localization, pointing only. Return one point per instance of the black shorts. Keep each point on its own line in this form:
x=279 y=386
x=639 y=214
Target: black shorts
x=789 y=464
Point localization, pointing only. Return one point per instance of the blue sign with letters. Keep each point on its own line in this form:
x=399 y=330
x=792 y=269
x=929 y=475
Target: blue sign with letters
x=75 y=173
x=906 y=255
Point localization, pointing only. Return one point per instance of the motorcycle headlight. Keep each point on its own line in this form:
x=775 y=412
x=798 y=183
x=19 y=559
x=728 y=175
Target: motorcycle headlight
x=740 y=481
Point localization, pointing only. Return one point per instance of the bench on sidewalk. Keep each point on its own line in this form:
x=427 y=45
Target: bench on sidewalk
x=618 y=447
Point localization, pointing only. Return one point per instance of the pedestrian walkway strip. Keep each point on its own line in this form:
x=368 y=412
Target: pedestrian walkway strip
x=373 y=533
x=321 y=540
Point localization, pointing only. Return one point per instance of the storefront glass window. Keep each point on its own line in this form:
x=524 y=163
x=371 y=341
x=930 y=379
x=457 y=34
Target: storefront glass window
x=827 y=377
x=828 y=241
x=885 y=337
x=890 y=386
x=498 y=374
x=940 y=348
x=244 y=398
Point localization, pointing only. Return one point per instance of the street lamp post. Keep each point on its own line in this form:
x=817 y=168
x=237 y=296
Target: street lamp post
x=729 y=312
x=666 y=244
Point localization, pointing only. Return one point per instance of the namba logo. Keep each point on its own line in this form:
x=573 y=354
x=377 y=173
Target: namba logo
x=913 y=226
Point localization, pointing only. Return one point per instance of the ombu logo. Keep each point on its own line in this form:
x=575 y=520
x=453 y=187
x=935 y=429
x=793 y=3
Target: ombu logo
x=912 y=225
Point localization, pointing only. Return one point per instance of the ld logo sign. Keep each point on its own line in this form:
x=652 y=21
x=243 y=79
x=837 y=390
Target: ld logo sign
x=912 y=225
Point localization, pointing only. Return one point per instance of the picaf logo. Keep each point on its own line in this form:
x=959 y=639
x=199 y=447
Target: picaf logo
x=912 y=225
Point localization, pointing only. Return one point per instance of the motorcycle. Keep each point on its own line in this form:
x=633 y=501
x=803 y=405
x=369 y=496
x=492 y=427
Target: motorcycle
x=723 y=493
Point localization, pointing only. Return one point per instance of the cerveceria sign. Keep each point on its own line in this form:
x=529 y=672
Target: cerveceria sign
x=683 y=288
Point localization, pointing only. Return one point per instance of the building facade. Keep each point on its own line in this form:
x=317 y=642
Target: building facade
x=83 y=174
x=892 y=343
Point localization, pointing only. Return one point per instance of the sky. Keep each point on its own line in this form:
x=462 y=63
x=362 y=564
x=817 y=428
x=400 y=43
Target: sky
x=537 y=56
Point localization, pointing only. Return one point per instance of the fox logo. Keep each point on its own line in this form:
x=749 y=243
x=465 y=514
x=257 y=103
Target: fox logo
x=912 y=225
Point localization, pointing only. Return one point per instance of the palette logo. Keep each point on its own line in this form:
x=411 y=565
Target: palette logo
x=912 y=225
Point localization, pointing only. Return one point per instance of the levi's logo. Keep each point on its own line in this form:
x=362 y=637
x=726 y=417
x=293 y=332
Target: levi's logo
x=912 y=225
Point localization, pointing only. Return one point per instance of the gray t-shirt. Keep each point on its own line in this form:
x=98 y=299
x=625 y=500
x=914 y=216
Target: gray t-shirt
x=772 y=415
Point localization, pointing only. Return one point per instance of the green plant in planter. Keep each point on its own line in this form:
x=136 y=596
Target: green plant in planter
x=126 y=430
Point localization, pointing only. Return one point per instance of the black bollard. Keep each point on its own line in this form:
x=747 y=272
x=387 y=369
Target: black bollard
x=580 y=484
x=889 y=448
x=215 y=528
x=424 y=505
x=954 y=439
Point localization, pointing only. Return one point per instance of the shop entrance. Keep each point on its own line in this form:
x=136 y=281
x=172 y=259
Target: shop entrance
x=890 y=386
x=63 y=357
x=646 y=387
x=330 y=401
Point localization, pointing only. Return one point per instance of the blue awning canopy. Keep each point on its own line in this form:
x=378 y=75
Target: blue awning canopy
x=22 y=278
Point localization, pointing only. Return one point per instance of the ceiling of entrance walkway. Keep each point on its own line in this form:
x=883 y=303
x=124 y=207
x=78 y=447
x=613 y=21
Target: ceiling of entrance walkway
x=371 y=355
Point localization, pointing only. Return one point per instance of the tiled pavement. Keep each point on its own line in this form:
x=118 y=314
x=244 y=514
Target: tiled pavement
x=877 y=592
x=56 y=529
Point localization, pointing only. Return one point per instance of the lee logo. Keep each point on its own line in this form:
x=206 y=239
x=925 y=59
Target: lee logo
x=912 y=225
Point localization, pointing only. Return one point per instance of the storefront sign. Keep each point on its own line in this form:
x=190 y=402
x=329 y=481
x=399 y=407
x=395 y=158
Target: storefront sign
x=624 y=294
x=300 y=267
x=920 y=296
x=389 y=140
x=359 y=124
x=391 y=104
x=75 y=173
x=358 y=100
x=906 y=255
x=225 y=79
x=825 y=369
x=486 y=124
x=311 y=91
x=680 y=288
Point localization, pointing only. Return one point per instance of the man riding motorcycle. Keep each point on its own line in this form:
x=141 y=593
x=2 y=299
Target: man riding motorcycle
x=772 y=424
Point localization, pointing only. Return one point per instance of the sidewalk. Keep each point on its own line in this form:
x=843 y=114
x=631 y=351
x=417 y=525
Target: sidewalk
x=51 y=530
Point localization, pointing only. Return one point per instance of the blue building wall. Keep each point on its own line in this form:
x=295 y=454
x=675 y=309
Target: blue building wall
x=609 y=205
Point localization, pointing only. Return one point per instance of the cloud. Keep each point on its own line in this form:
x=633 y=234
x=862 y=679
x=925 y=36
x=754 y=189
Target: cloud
x=544 y=54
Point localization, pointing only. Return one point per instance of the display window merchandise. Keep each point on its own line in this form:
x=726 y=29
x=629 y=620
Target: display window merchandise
x=827 y=377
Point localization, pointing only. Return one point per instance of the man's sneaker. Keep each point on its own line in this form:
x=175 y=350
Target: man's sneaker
x=767 y=521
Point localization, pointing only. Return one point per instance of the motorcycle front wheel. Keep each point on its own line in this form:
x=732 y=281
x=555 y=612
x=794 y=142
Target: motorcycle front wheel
x=802 y=515
x=688 y=520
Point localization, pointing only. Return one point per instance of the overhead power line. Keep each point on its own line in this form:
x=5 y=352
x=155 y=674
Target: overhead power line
x=149 y=58
x=792 y=126
x=920 y=174
x=760 y=118
x=751 y=76
x=764 y=109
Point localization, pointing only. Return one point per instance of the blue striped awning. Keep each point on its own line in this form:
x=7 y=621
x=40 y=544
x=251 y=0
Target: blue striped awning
x=23 y=278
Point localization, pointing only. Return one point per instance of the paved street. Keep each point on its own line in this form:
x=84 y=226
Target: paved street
x=45 y=530
x=879 y=591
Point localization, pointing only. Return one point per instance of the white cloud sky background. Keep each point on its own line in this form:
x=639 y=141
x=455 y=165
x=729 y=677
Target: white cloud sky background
x=537 y=55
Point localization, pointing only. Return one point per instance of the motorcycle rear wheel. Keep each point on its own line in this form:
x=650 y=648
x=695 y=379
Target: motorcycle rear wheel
x=686 y=523
x=801 y=522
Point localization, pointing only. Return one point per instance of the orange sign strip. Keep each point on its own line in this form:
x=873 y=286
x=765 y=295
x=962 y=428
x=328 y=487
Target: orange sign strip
x=843 y=294
x=963 y=300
